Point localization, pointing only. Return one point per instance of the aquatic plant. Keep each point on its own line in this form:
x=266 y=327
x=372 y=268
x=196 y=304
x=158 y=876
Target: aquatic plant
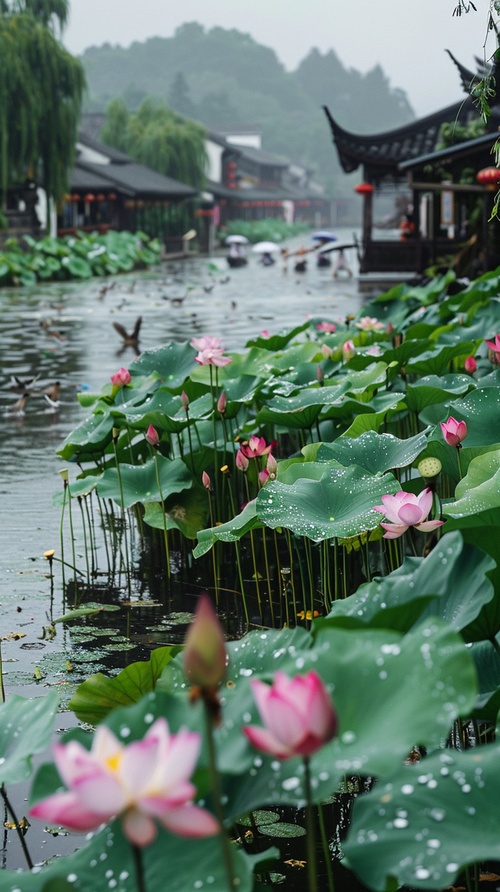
x=402 y=632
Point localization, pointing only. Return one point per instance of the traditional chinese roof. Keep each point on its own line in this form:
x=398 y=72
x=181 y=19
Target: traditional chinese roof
x=385 y=155
x=382 y=153
x=479 y=148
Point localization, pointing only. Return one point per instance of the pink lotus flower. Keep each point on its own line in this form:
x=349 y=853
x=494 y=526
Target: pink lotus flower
x=205 y=655
x=454 y=431
x=470 y=365
x=298 y=715
x=205 y=479
x=256 y=446
x=272 y=466
x=121 y=377
x=404 y=510
x=326 y=326
x=494 y=346
x=185 y=400
x=152 y=436
x=206 y=343
x=212 y=356
x=144 y=782
x=369 y=323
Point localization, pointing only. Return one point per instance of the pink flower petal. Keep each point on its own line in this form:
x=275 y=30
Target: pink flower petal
x=139 y=828
x=263 y=740
x=410 y=514
x=393 y=530
x=66 y=809
x=190 y=821
x=429 y=525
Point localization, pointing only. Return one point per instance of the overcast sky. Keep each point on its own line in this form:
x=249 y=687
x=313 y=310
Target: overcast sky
x=407 y=38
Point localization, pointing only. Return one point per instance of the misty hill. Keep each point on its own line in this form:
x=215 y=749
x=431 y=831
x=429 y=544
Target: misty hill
x=224 y=78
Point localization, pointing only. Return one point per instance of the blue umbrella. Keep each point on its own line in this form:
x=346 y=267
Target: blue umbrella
x=323 y=235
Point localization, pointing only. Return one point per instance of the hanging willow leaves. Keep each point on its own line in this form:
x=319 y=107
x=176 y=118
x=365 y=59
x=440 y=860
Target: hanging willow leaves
x=41 y=87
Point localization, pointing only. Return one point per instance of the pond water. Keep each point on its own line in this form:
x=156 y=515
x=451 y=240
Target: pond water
x=63 y=332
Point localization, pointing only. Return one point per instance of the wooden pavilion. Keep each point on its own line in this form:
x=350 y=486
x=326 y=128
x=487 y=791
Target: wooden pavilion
x=436 y=188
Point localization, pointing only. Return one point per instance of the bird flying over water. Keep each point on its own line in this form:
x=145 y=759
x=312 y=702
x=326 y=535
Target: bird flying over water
x=132 y=339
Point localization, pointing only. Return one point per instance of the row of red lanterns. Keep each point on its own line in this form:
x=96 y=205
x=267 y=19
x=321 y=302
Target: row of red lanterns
x=90 y=197
x=488 y=176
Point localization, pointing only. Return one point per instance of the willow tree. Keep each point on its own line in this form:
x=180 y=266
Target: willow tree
x=159 y=138
x=41 y=88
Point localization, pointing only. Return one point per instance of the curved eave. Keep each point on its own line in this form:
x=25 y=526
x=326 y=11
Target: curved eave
x=382 y=153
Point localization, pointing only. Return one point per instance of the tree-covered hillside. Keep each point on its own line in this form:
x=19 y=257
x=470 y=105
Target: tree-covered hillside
x=225 y=78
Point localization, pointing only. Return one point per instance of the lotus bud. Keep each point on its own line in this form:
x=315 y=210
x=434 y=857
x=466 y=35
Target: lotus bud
x=272 y=466
x=205 y=479
x=152 y=437
x=263 y=476
x=454 y=431
x=348 y=350
x=326 y=351
x=121 y=378
x=185 y=400
x=222 y=403
x=470 y=365
x=319 y=374
x=242 y=461
x=205 y=649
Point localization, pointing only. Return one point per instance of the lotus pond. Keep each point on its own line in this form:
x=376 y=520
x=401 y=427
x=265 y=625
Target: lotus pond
x=330 y=486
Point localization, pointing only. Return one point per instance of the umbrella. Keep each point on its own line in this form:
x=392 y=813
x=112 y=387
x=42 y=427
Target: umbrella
x=236 y=240
x=323 y=235
x=265 y=247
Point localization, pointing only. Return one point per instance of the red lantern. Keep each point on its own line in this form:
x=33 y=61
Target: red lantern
x=89 y=197
x=488 y=176
x=75 y=197
x=111 y=196
x=100 y=197
x=364 y=188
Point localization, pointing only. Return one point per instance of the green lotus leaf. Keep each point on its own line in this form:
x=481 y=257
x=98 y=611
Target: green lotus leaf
x=279 y=340
x=438 y=360
x=26 y=727
x=186 y=511
x=431 y=389
x=339 y=504
x=374 y=452
x=91 y=436
x=98 y=695
x=139 y=482
x=77 y=267
x=171 y=363
x=231 y=531
x=108 y=858
x=450 y=582
x=479 y=490
x=424 y=823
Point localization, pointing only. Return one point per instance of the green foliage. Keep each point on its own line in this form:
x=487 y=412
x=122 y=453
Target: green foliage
x=41 y=88
x=75 y=257
x=159 y=138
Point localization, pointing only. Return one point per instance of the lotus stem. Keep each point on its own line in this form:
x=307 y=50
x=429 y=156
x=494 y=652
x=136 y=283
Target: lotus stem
x=124 y=518
x=164 y=516
x=139 y=868
x=19 y=831
x=217 y=797
x=326 y=850
x=312 y=870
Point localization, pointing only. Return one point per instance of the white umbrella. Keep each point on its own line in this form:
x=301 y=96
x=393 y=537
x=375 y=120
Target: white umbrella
x=265 y=247
x=236 y=240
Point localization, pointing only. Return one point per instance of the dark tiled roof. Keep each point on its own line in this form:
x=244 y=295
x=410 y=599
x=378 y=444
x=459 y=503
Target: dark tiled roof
x=382 y=153
x=480 y=146
x=132 y=179
x=83 y=180
x=260 y=156
x=114 y=155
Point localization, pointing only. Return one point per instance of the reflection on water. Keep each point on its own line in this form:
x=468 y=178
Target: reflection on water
x=63 y=332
